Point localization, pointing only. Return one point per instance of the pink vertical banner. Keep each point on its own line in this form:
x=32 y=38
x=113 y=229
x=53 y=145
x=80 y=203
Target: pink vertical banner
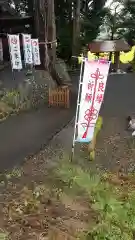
x=92 y=95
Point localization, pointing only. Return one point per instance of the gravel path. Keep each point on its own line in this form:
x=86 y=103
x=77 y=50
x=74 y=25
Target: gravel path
x=115 y=147
x=27 y=133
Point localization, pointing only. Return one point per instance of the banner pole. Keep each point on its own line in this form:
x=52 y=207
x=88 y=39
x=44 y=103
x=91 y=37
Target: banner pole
x=77 y=109
x=13 y=75
x=33 y=68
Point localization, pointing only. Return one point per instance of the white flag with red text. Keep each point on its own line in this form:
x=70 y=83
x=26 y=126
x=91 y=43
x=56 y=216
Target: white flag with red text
x=15 y=53
x=27 y=48
x=93 y=89
x=35 y=52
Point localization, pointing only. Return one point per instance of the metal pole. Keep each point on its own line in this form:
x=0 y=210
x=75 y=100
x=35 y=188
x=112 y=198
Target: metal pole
x=77 y=110
x=13 y=75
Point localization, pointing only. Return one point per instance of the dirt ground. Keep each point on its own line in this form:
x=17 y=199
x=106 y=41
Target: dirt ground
x=115 y=147
x=35 y=203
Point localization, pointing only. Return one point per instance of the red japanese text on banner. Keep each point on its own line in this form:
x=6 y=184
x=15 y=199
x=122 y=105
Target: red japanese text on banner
x=93 y=88
x=27 y=48
x=35 y=52
x=15 y=53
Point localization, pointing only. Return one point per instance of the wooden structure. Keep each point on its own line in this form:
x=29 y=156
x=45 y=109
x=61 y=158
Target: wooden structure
x=115 y=46
x=59 y=97
x=13 y=26
x=11 y=22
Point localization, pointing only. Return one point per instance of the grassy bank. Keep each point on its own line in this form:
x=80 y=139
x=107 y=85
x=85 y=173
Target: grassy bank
x=51 y=198
x=111 y=197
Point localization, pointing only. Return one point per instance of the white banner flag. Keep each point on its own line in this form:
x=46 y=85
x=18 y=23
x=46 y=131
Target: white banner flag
x=27 y=48
x=15 y=53
x=93 y=88
x=1 y=50
x=35 y=52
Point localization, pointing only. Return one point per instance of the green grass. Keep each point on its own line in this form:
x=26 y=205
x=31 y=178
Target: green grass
x=116 y=214
x=3 y=235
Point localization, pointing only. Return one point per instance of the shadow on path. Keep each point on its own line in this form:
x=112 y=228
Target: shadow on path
x=27 y=133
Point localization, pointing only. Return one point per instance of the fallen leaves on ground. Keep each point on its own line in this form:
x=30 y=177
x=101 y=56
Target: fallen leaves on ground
x=33 y=206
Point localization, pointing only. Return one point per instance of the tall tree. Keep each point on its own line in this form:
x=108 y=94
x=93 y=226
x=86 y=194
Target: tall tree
x=129 y=22
x=77 y=19
x=48 y=15
x=76 y=28
x=93 y=18
x=51 y=31
x=64 y=23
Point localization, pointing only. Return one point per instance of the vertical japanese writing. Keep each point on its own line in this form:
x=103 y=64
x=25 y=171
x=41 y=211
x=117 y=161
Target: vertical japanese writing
x=35 y=52
x=88 y=96
x=100 y=93
x=14 y=46
x=27 y=47
x=93 y=87
x=91 y=113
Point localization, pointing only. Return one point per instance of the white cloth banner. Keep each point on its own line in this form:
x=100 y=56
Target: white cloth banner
x=93 y=88
x=27 y=48
x=15 y=53
x=35 y=52
x=1 y=50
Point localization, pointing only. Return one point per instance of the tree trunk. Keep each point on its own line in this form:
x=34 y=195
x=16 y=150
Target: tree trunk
x=51 y=30
x=30 y=7
x=46 y=32
x=51 y=41
x=36 y=18
x=112 y=36
x=39 y=19
x=76 y=29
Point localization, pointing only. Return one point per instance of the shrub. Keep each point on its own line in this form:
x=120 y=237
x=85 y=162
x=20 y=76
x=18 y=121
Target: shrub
x=28 y=95
x=11 y=98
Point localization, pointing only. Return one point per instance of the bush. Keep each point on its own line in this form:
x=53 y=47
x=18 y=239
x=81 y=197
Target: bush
x=33 y=92
x=11 y=98
x=28 y=95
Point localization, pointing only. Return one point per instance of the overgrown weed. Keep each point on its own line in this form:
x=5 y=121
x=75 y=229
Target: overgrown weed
x=114 y=206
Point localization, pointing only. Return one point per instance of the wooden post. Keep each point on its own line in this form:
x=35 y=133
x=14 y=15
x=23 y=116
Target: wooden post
x=116 y=60
x=92 y=144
